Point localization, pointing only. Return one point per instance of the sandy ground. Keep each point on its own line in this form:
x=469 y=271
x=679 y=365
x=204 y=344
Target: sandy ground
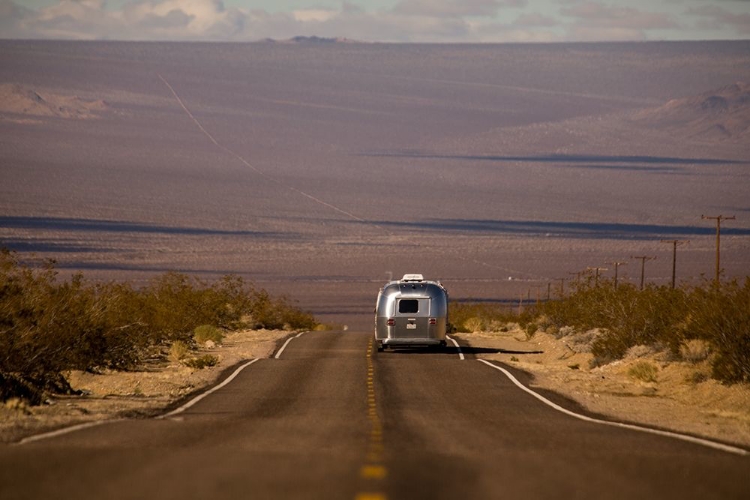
x=113 y=394
x=674 y=395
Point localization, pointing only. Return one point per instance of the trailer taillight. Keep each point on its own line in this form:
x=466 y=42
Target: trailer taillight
x=433 y=321
x=391 y=321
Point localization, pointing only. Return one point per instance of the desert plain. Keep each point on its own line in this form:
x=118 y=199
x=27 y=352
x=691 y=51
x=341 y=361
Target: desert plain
x=320 y=169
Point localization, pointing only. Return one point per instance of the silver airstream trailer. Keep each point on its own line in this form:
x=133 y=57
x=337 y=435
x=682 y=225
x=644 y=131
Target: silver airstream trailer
x=410 y=312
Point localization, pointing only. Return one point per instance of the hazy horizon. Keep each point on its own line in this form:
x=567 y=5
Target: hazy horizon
x=442 y=21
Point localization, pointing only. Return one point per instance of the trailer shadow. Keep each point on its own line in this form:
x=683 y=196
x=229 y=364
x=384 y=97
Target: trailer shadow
x=453 y=351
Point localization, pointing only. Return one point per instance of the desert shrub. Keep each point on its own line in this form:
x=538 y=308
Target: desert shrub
x=696 y=377
x=201 y=362
x=178 y=351
x=554 y=330
x=695 y=350
x=204 y=333
x=473 y=325
x=720 y=315
x=531 y=329
x=627 y=316
x=44 y=327
x=271 y=313
x=644 y=371
x=467 y=316
x=49 y=326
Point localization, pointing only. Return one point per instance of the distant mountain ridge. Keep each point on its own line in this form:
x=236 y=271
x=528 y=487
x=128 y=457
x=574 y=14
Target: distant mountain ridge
x=21 y=100
x=313 y=40
x=719 y=114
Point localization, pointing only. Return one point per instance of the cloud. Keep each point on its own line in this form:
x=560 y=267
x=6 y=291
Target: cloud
x=314 y=15
x=405 y=21
x=598 y=21
x=136 y=20
x=713 y=17
x=534 y=19
x=453 y=8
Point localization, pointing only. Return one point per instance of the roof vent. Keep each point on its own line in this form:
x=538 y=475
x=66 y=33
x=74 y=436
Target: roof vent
x=412 y=277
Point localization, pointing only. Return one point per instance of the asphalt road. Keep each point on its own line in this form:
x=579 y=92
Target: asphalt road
x=333 y=418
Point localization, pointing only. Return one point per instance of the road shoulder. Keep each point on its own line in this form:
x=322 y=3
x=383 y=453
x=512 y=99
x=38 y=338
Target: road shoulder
x=149 y=391
x=672 y=397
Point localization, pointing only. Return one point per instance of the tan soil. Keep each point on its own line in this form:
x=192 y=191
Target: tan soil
x=681 y=398
x=20 y=100
x=113 y=394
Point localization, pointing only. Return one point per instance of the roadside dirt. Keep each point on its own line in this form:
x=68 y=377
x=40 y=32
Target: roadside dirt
x=645 y=387
x=115 y=394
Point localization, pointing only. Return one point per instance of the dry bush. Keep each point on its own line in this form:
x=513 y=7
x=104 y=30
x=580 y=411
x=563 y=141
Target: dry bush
x=661 y=317
x=495 y=315
x=178 y=351
x=201 y=362
x=204 y=333
x=49 y=326
x=720 y=315
x=531 y=329
x=644 y=371
x=695 y=350
x=473 y=325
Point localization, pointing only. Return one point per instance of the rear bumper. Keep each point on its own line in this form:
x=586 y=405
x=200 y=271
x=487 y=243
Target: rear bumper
x=413 y=341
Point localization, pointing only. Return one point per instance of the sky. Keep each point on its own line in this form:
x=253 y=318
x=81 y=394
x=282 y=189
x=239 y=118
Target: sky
x=420 y=21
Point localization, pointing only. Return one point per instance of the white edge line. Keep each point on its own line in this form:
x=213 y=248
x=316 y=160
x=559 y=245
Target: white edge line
x=87 y=425
x=78 y=427
x=210 y=391
x=278 y=354
x=683 y=437
x=66 y=430
x=460 y=354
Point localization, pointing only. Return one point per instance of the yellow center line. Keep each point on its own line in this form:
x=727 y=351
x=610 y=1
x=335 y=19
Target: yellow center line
x=373 y=468
x=370 y=496
x=373 y=472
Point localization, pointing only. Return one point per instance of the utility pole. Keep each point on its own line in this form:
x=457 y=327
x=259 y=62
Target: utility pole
x=617 y=266
x=549 y=290
x=718 y=220
x=643 y=259
x=597 y=269
x=562 y=287
x=674 y=243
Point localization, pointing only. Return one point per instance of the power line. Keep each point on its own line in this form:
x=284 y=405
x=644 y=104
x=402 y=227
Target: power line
x=617 y=266
x=597 y=269
x=643 y=259
x=675 y=244
x=718 y=220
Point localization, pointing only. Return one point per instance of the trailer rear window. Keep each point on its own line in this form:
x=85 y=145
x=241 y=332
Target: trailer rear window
x=408 y=306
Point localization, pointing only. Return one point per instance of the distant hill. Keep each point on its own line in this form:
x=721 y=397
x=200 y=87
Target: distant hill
x=21 y=100
x=720 y=114
x=313 y=40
